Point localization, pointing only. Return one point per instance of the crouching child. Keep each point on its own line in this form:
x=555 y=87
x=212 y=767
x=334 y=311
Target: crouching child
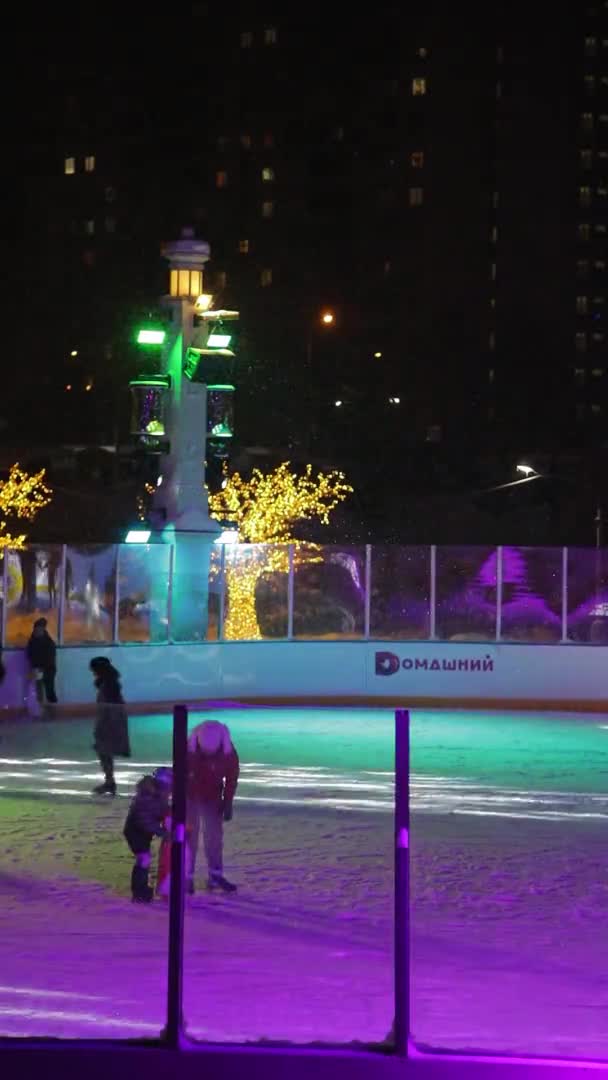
x=145 y=820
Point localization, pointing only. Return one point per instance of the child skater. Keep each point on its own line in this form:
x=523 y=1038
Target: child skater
x=163 y=876
x=145 y=820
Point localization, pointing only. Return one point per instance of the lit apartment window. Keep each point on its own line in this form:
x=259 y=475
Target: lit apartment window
x=246 y=142
x=493 y=235
x=599 y=265
x=602 y=191
x=590 y=46
x=339 y=134
x=584 y=196
x=587 y=121
x=110 y=224
x=598 y=337
x=600 y=230
x=582 y=305
x=422 y=53
x=89 y=163
x=492 y=302
x=418 y=86
x=268 y=139
x=246 y=39
x=580 y=341
x=266 y=277
x=584 y=232
x=586 y=159
x=221 y=280
x=221 y=179
x=270 y=35
x=267 y=209
x=596 y=409
x=603 y=118
x=267 y=174
x=589 y=82
x=69 y=166
x=89 y=227
x=598 y=301
x=491 y=374
x=602 y=155
x=417 y=159
x=498 y=90
x=244 y=247
x=416 y=196
x=493 y=271
x=597 y=372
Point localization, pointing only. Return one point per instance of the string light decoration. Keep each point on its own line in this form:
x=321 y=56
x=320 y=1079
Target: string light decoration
x=265 y=510
x=22 y=496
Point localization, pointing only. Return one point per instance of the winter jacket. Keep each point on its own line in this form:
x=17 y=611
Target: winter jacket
x=41 y=652
x=111 y=736
x=213 y=778
x=147 y=813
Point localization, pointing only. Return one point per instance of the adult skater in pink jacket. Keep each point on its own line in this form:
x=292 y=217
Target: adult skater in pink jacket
x=213 y=773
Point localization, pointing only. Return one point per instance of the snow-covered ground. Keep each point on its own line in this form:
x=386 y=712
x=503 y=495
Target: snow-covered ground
x=509 y=886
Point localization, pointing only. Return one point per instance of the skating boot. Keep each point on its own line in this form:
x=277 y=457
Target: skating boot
x=142 y=893
x=218 y=881
x=107 y=788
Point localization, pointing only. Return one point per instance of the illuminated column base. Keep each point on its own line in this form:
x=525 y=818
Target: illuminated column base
x=190 y=584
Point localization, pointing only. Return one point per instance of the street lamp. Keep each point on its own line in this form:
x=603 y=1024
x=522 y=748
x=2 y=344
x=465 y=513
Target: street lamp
x=327 y=318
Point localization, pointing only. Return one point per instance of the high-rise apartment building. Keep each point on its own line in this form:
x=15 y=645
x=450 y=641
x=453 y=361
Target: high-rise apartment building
x=436 y=179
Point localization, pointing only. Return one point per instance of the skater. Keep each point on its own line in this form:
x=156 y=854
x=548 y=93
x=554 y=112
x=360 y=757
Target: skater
x=163 y=874
x=213 y=772
x=41 y=653
x=111 y=736
x=145 y=820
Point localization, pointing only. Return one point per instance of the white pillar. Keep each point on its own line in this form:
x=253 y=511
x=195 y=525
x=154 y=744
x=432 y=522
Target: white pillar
x=181 y=498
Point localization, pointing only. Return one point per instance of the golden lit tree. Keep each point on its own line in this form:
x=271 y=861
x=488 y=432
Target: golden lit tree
x=266 y=509
x=22 y=496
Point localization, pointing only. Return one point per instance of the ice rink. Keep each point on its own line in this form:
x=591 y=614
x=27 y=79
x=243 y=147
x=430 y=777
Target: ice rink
x=509 y=884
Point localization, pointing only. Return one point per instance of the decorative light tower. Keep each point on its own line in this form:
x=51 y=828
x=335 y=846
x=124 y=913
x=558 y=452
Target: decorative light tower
x=171 y=418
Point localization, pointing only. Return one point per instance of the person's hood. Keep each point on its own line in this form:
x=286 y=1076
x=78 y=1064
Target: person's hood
x=209 y=737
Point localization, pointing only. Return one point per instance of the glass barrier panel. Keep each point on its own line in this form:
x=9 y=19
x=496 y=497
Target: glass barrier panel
x=400 y=592
x=329 y=592
x=89 y=597
x=33 y=591
x=507 y=841
x=302 y=951
x=466 y=593
x=79 y=959
x=143 y=592
x=588 y=595
x=531 y=594
x=256 y=584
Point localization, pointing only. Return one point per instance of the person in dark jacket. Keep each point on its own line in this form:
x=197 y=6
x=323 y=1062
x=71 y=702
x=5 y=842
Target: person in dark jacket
x=145 y=820
x=111 y=736
x=213 y=773
x=42 y=655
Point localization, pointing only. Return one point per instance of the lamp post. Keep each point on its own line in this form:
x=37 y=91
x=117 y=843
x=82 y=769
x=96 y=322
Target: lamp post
x=175 y=415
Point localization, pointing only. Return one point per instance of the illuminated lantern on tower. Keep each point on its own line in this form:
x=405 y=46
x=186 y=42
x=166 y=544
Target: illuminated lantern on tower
x=182 y=408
